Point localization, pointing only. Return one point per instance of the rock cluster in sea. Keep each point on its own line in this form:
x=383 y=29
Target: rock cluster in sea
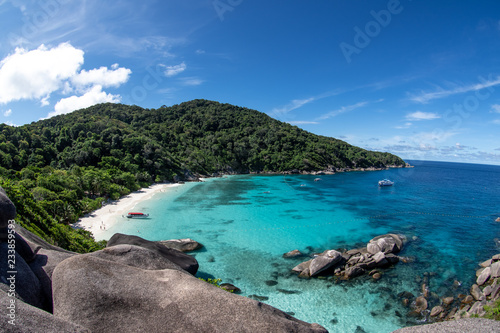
x=133 y=285
x=378 y=253
x=431 y=307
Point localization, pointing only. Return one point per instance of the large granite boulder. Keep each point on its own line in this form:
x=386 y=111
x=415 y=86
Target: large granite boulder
x=470 y=325
x=23 y=283
x=107 y=296
x=390 y=243
x=183 y=245
x=35 y=262
x=21 y=318
x=324 y=261
x=186 y=262
x=7 y=209
x=135 y=256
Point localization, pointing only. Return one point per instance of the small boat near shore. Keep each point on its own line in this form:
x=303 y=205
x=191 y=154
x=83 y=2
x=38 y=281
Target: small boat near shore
x=137 y=215
x=385 y=182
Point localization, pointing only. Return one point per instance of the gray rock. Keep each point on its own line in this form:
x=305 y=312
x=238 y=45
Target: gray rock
x=484 y=276
x=106 y=296
x=31 y=319
x=34 y=266
x=230 y=287
x=469 y=325
x=186 y=262
x=390 y=243
x=495 y=291
x=477 y=309
x=379 y=257
x=486 y=263
x=183 y=245
x=7 y=209
x=354 y=271
x=354 y=260
x=324 y=261
x=487 y=290
x=135 y=256
x=302 y=266
x=495 y=269
x=436 y=310
x=476 y=292
x=420 y=304
x=292 y=254
x=392 y=258
x=448 y=300
x=27 y=287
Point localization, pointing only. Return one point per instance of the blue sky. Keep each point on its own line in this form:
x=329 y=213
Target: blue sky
x=420 y=79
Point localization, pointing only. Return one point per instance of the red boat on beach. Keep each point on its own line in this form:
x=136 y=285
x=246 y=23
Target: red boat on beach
x=137 y=215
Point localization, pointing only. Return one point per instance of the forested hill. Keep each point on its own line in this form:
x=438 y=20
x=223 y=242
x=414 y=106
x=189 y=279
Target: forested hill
x=68 y=164
x=200 y=136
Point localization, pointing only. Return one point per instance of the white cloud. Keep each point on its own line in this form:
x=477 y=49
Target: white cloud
x=174 y=70
x=38 y=73
x=343 y=109
x=191 y=81
x=419 y=115
x=496 y=121
x=7 y=113
x=425 y=97
x=406 y=125
x=102 y=76
x=294 y=104
x=495 y=108
x=93 y=96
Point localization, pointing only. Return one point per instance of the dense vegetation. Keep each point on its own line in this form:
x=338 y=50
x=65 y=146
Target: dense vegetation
x=57 y=169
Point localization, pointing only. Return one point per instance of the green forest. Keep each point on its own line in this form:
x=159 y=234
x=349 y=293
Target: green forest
x=58 y=169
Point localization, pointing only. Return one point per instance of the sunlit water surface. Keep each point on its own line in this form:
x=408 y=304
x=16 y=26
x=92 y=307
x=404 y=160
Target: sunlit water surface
x=446 y=210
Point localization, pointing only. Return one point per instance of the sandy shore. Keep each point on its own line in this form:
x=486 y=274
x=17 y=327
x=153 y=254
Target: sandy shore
x=102 y=219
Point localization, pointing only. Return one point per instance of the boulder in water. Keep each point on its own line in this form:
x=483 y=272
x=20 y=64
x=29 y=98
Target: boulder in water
x=324 y=261
x=390 y=243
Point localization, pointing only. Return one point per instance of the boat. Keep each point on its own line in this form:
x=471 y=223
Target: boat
x=137 y=215
x=385 y=182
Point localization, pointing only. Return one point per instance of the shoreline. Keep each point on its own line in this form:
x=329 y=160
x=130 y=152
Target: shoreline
x=100 y=220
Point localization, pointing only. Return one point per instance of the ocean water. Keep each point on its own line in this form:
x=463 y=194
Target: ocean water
x=447 y=212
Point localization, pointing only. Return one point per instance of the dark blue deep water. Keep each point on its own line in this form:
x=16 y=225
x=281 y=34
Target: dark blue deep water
x=447 y=212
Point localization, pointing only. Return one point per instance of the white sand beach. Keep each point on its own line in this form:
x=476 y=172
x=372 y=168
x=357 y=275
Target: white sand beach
x=102 y=219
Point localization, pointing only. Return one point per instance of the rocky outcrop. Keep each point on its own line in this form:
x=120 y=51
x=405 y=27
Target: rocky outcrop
x=471 y=325
x=324 y=261
x=33 y=260
x=109 y=296
x=486 y=291
x=390 y=243
x=26 y=318
x=133 y=286
x=186 y=262
x=183 y=245
x=7 y=209
x=379 y=253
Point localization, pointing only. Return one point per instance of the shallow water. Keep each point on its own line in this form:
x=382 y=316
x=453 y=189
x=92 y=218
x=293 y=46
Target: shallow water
x=446 y=210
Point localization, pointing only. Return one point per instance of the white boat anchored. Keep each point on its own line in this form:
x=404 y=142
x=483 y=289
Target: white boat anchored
x=137 y=215
x=385 y=182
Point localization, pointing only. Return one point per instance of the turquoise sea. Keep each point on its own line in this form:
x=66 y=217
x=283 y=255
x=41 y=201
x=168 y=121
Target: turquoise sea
x=447 y=212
